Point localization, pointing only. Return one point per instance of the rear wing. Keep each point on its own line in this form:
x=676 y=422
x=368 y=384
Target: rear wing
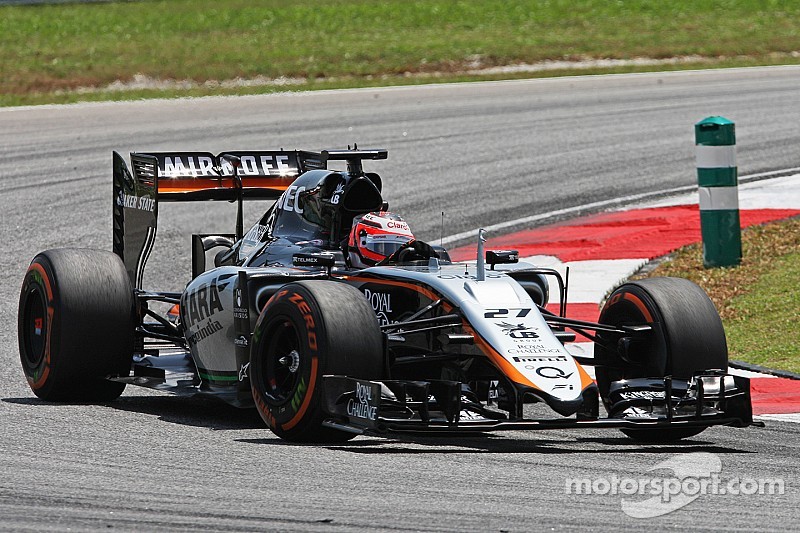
x=191 y=176
x=183 y=176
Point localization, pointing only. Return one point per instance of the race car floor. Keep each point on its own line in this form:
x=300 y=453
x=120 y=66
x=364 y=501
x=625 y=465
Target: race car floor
x=603 y=250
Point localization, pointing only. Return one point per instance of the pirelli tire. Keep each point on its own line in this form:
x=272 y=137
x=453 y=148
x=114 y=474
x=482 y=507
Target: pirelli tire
x=76 y=325
x=306 y=330
x=687 y=336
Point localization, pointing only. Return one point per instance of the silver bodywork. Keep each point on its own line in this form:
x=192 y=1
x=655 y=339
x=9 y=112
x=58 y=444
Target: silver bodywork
x=506 y=322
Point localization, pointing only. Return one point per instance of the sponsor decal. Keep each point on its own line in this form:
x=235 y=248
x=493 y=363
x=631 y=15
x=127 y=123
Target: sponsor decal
x=203 y=166
x=204 y=332
x=381 y=303
x=262 y=165
x=323 y=259
x=469 y=415
x=255 y=234
x=642 y=395
x=540 y=358
x=517 y=331
x=489 y=275
x=288 y=200
x=395 y=224
x=494 y=393
x=241 y=341
x=308 y=318
x=238 y=310
x=337 y=194
x=243 y=371
x=38 y=323
x=297 y=399
x=562 y=386
x=130 y=201
x=636 y=412
x=534 y=350
x=188 y=166
x=204 y=302
x=362 y=405
x=550 y=372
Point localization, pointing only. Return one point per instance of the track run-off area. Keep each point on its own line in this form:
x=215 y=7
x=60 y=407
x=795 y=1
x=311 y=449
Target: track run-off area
x=535 y=152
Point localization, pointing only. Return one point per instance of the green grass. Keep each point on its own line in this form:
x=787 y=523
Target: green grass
x=46 y=49
x=759 y=300
x=766 y=330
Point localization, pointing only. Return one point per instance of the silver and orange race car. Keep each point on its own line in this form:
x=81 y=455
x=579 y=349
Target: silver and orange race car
x=331 y=331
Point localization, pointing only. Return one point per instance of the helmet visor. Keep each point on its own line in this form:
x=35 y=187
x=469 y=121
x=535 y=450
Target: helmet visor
x=384 y=245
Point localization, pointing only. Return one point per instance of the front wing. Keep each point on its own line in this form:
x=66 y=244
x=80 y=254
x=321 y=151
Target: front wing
x=374 y=407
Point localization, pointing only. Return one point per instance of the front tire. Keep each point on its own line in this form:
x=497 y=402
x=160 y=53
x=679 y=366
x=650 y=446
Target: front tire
x=309 y=329
x=75 y=325
x=687 y=337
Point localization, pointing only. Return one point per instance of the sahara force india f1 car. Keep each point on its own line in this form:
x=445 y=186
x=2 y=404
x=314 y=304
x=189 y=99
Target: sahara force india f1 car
x=332 y=320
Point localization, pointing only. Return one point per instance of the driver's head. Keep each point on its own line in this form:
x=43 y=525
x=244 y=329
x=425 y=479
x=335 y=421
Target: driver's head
x=375 y=236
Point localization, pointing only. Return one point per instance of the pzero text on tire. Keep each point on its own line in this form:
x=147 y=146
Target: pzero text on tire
x=309 y=329
x=687 y=337
x=75 y=325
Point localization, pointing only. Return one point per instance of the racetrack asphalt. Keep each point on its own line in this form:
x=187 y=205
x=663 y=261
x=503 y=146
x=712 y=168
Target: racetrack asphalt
x=483 y=154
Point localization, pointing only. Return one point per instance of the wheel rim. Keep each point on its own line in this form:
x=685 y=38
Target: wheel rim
x=35 y=327
x=625 y=313
x=282 y=362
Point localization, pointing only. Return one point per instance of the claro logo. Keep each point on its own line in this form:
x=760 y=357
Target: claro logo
x=204 y=301
x=393 y=224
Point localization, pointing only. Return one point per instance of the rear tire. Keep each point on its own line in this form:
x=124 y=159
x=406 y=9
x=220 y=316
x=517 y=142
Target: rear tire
x=309 y=329
x=75 y=325
x=687 y=337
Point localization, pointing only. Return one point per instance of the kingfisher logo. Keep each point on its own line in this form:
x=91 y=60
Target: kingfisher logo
x=337 y=194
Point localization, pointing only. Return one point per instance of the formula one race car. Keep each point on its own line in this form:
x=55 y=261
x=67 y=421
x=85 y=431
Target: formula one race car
x=332 y=320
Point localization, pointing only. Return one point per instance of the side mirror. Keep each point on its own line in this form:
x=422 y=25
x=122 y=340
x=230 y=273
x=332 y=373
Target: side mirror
x=201 y=244
x=501 y=257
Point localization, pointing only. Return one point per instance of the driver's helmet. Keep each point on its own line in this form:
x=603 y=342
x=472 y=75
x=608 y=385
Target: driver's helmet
x=375 y=236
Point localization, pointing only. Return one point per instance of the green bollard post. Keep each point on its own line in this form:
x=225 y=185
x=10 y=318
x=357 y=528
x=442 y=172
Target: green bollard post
x=717 y=178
